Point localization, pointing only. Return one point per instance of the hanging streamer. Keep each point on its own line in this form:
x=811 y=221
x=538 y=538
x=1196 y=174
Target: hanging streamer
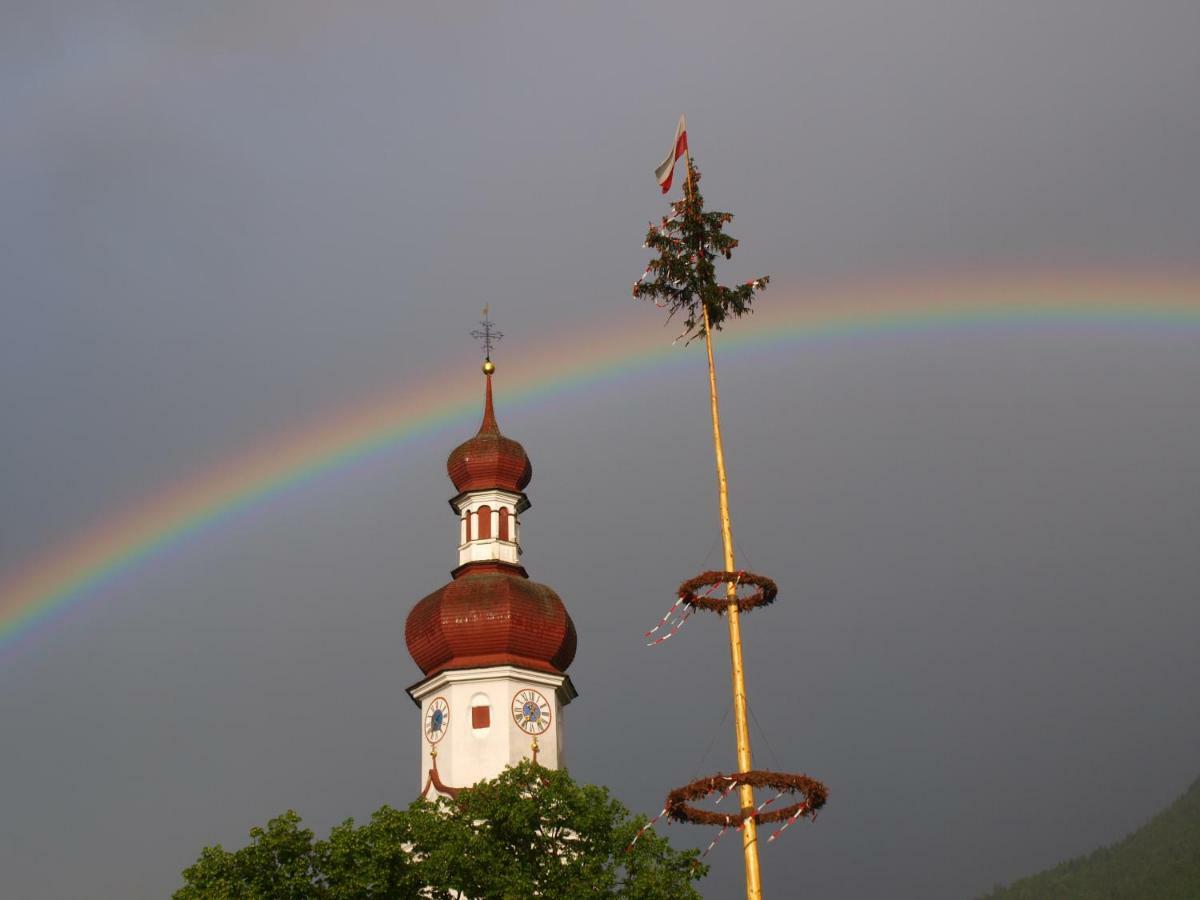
x=758 y=809
x=714 y=841
x=721 y=833
x=644 y=829
x=673 y=619
x=666 y=220
x=800 y=813
x=729 y=790
x=767 y=803
x=676 y=622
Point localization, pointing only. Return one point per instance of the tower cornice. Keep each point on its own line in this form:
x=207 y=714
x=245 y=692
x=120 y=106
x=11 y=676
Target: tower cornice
x=561 y=684
x=517 y=499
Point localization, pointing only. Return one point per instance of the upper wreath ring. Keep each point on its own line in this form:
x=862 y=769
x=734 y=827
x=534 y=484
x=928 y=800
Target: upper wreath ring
x=767 y=590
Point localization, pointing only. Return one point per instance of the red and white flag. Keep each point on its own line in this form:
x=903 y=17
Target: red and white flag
x=666 y=171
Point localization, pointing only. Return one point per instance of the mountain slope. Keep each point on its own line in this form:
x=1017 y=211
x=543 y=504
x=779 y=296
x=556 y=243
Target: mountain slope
x=1159 y=861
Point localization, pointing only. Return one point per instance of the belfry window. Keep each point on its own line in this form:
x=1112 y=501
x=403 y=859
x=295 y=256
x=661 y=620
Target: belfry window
x=485 y=523
x=504 y=524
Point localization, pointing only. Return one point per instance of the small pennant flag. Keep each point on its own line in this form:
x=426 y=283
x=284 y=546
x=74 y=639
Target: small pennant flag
x=666 y=171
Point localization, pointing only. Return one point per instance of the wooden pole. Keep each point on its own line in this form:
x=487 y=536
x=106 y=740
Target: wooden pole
x=741 y=725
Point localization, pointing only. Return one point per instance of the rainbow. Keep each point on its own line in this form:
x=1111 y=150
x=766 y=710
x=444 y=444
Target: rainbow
x=75 y=569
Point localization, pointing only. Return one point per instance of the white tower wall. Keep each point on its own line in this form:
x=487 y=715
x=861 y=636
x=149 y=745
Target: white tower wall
x=467 y=754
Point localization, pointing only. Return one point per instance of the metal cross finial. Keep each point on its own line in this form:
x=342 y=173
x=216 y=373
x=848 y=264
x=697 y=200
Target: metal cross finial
x=489 y=335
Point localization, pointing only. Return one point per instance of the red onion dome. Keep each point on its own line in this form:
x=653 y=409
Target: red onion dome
x=489 y=460
x=490 y=617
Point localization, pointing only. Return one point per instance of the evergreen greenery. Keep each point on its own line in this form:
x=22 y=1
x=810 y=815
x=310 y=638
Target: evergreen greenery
x=1159 y=861
x=683 y=276
x=530 y=832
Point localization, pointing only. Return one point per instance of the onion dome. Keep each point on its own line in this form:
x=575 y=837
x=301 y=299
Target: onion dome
x=489 y=460
x=490 y=616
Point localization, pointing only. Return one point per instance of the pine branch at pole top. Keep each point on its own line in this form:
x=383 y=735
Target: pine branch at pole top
x=684 y=280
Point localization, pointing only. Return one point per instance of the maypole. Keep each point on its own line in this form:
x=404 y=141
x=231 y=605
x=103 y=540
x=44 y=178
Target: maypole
x=741 y=723
x=684 y=280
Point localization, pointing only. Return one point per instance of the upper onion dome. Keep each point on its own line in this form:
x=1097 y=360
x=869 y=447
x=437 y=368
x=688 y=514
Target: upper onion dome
x=489 y=460
x=490 y=616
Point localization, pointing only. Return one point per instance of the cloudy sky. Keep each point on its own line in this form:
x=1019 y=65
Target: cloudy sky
x=226 y=222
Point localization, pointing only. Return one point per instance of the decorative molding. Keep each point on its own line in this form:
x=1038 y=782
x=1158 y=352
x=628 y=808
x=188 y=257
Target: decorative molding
x=517 y=501
x=562 y=686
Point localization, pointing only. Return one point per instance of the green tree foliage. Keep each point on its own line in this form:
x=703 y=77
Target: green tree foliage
x=688 y=243
x=531 y=832
x=1161 y=860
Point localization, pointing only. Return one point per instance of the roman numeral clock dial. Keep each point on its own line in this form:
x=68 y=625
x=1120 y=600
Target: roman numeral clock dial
x=531 y=711
x=437 y=720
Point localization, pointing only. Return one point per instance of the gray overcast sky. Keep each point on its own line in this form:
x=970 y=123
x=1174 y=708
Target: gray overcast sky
x=224 y=220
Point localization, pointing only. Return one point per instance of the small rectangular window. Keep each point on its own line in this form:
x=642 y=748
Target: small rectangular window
x=481 y=716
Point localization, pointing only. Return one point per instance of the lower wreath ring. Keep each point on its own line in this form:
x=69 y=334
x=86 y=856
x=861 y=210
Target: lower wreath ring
x=812 y=792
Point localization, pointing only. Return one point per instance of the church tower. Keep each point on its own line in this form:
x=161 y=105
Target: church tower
x=493 y=645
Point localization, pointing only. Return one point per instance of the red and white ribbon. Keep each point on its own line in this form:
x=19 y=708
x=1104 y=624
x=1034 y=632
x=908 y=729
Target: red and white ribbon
x=673 y=619
x=662 y=226
x=720 y=833
x=803 y=810
x=760 y=808
x=729 y=790
x=644 y=829
x=714 y=842
x=767 y=803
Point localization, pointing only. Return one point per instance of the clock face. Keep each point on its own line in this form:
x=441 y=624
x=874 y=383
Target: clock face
x=531 y=711
x=437 y=720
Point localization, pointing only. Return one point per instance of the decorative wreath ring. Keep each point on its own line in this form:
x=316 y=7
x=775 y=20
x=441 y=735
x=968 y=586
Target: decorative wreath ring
x=813 y=794
x=765 y=594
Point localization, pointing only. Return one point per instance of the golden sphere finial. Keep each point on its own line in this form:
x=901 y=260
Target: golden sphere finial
x=488 y=367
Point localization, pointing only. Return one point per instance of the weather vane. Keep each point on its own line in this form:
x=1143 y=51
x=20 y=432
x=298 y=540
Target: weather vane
x=488 y=336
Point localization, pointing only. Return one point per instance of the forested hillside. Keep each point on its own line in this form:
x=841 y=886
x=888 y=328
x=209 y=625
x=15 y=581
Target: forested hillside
x=1159 y=861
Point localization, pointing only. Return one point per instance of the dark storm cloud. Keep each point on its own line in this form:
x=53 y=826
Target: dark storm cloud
x=221 y=224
